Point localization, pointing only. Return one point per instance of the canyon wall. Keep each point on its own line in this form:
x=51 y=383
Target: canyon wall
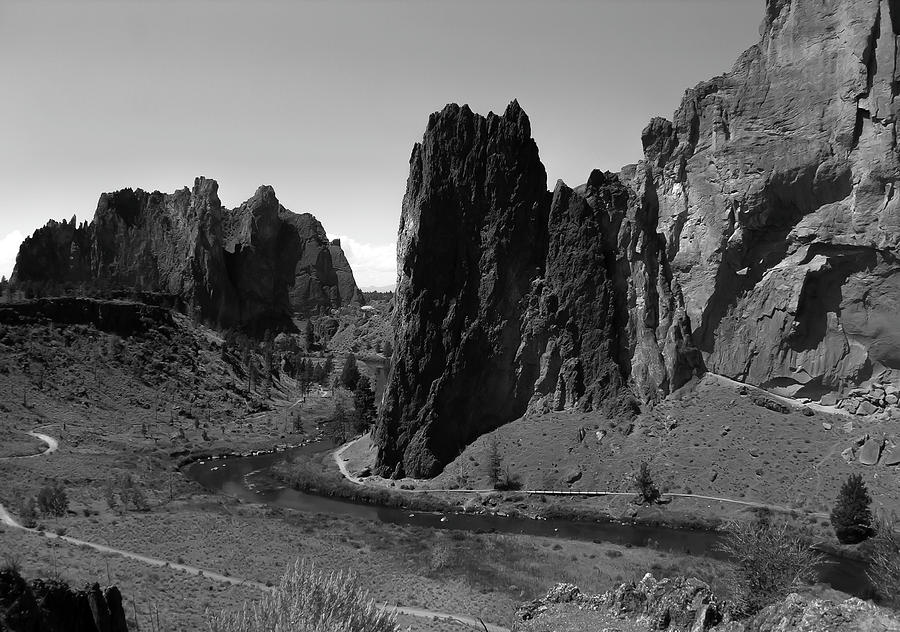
x=251 y=267
x=758 y=238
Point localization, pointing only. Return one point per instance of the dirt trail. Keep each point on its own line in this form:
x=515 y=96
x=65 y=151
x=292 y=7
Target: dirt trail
x=342 y=466
x=52 y=446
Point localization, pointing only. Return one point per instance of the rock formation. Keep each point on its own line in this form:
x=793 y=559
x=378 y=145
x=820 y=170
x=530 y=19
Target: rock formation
x=50 y=605
x=758 y=238
x=472 y=239
x=250 y=267
x=680 y=604
x=510 y=296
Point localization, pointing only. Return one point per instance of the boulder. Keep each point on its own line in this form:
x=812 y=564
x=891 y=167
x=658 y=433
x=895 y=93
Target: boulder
x=891 y=456
x=871 y=451
x=828 y=399
x=572 y=476
x=865 y=408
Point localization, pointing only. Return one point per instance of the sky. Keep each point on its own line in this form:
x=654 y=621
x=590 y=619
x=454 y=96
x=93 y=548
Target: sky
x=324 y=100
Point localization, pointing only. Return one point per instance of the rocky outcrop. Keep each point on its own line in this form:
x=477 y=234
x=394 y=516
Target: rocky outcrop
x=52 y=606
x=124 y=318
x=758 y=238
x=680 y=604
x=250 y=267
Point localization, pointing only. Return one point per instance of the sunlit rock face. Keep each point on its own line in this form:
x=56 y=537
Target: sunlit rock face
x=777 y=194
x=252 y=267
x=758 y=238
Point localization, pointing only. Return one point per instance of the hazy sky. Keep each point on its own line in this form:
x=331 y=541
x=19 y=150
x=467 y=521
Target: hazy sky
x=324 y=100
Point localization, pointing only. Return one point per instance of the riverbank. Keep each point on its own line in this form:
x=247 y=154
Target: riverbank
x=316 y=475
x=715 y=451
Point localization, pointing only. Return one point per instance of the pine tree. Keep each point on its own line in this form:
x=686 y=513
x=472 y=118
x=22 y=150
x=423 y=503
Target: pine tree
x=851 y=516
x=350 y=372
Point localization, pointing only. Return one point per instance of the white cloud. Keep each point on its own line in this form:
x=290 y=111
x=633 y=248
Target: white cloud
x=9 y=248
x=374 y=265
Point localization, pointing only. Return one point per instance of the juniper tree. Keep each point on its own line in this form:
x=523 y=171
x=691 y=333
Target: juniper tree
x=851 y=516
x=350 y=372
x=647 y=491
x=364 y=403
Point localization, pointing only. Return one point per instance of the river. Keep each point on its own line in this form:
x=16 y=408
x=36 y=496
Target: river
x=248 y=478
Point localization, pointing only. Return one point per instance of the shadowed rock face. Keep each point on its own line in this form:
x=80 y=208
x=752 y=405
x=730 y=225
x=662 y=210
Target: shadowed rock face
x=51 y=605
x=250 y=267
x=472 y=236
x=758 y=238
x=511 y=297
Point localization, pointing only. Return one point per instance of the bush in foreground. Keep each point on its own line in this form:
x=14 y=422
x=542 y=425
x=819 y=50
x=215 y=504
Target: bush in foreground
x=884 y=565
x=308 y=601
x=770 y=561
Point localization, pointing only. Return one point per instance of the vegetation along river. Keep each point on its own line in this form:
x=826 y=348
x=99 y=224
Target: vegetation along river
x=247 y=477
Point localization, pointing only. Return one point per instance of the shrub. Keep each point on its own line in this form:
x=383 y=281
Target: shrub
x=52 y=500
x=308 y=601
x=884 y=564
x=851 y=516
x=770 y=560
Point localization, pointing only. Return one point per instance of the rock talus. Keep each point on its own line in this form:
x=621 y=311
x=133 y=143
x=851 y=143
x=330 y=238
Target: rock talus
x=681 y=604
x=250 y=267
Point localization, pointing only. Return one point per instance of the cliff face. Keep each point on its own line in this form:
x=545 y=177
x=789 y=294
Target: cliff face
x=777 y=194
x=758 y=238
x=249 y=267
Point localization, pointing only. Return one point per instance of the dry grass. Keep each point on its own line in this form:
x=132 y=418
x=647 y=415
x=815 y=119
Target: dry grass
x=306 y=600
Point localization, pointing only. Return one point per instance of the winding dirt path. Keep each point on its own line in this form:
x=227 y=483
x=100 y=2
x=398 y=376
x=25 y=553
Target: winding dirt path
x=52 y=445
x=342 y=466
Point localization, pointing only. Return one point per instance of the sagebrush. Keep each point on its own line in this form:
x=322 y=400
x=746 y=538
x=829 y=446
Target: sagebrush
x=770 y=560
x=307 y=600
x=884 y=565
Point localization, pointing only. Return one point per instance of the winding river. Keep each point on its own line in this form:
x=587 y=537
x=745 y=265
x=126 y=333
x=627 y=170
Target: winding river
x=248 y=478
